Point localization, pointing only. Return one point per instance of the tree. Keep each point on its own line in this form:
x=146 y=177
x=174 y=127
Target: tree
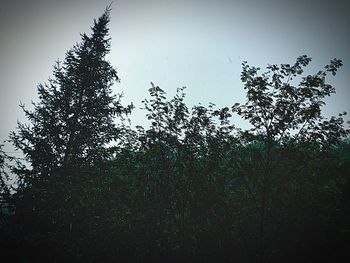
x=62 y=184
x=74 y=119
x=191 y=187
x=283 y=112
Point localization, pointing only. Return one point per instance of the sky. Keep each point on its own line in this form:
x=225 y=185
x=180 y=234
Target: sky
x=197 y=44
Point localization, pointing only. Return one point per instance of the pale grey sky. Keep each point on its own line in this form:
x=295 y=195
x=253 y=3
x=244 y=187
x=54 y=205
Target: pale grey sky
x=198 y=44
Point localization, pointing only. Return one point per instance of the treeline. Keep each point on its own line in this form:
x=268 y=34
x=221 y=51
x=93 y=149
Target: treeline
x=191 y=187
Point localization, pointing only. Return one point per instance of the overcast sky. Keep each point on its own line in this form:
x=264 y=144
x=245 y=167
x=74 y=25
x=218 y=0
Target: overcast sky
x=197 y=44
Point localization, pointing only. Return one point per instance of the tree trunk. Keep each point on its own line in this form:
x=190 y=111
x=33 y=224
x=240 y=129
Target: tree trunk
x=264 y=202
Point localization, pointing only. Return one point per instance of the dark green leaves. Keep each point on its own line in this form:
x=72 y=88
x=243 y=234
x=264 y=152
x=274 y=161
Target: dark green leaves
x=278 y=107
x=191 y=187
x=74 y=119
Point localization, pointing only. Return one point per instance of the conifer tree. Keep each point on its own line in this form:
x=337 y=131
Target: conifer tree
x=66 y=143
x=74 y=119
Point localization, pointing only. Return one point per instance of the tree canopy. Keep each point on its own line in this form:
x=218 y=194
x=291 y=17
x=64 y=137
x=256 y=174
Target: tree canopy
x=192 y=186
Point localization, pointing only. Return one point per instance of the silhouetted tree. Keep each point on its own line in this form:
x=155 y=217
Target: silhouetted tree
x=65 y=145
x=283 y=111
x=74 y=119
x=190 y=187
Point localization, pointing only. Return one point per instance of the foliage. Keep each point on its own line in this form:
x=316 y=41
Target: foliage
x=191 y=187
x=4 y=188
x=283 y=114
x=74 y=119
x=280 y=111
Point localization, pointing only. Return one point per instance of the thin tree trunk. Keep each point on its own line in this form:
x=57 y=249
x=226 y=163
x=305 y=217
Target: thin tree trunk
x=262 y=222
x=264 y=201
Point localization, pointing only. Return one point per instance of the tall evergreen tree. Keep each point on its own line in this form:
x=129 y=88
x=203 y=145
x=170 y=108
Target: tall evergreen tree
x=65 y=142
x=74 y=119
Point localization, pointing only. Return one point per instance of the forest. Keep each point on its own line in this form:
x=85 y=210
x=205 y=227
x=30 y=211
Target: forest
x=191 y=187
